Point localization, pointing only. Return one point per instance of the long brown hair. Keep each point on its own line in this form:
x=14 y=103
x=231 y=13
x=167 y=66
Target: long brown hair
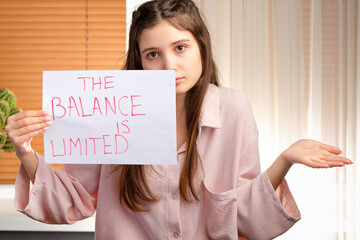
x=183 y=15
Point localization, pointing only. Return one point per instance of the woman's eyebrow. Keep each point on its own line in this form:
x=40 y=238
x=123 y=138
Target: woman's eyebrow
x=148 y=49
x=173 y=43
x=180 y=41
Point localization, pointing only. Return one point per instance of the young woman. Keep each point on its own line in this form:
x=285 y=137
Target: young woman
x=216 y=190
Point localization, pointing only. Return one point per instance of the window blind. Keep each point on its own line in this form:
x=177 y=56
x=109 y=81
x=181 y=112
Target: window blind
x=41 y=35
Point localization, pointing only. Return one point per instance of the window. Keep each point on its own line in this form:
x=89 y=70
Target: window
x=41 y=35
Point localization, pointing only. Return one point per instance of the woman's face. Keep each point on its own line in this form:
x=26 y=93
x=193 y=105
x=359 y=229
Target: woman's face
x=164 y=47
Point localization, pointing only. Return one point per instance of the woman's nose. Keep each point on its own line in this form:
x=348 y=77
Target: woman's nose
x=169 y=62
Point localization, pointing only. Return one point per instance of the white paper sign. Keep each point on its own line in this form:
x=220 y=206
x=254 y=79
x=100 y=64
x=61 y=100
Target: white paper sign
x=110 y=117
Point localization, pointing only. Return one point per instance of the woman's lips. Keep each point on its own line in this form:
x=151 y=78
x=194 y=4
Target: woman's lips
x=179 y=79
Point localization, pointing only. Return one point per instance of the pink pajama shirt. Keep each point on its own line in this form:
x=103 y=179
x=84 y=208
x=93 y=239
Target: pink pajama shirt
x=235 y=199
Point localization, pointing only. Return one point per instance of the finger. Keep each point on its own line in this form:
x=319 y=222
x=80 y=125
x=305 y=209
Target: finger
x=330 y=148
x=336 y=158
x=317 y=164
x=31 y=128
x=24 y=122
x=28 y=114
x=334 y=163
x=20 y=140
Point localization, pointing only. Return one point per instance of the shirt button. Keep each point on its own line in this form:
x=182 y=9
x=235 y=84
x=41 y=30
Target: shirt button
x=173 y=196
x=176 y=234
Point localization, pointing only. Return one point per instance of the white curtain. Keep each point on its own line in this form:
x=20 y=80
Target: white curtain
x=298 y=62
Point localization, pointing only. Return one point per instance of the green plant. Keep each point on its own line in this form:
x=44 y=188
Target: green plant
x=4 y=107
x=7 y=146
x=14 y=110
x=8 y=96
x=2 y=120
x=3 y=137
x=7 y=108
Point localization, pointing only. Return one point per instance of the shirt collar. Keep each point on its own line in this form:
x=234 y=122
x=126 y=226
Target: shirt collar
x=210 y=112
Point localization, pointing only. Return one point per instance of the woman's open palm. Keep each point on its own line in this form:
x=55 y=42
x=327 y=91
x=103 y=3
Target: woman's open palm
x=315 y=154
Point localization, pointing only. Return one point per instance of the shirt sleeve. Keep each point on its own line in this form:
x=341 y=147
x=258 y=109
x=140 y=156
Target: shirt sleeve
x=58 y=196
x=263 y=213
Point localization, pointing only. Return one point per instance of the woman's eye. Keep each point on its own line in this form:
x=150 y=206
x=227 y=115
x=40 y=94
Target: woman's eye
x=152 y=55
x=180 y=48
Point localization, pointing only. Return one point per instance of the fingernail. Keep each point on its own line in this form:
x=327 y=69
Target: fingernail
x=44 y=129
x=48 y=123
x=47 y=118
x=45 y=113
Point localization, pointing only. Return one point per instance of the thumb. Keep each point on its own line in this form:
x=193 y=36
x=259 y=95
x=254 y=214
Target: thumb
x=330 y=148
